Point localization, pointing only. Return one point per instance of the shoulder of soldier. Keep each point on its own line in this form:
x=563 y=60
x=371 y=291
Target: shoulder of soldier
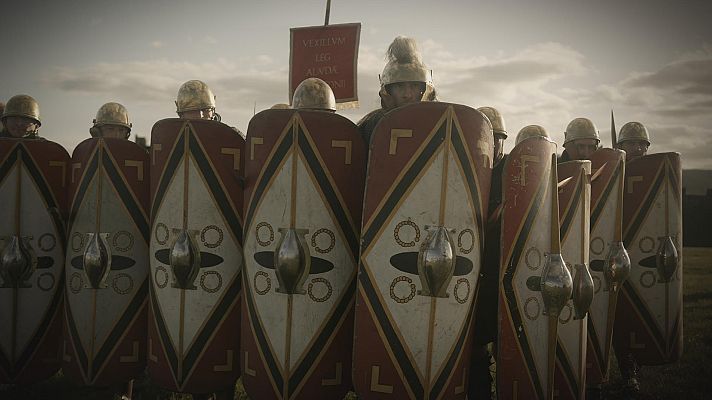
x=239 y=132
x=371 y=117
x=564 y=157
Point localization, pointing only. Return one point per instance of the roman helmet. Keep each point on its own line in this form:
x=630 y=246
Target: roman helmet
x=581 y=128
x=405 y=65
x=314 y=94
x=633 y=131
x=110 y=114
x=496 y=120
x=194 y=95
x=530 y=131
x=22 y=105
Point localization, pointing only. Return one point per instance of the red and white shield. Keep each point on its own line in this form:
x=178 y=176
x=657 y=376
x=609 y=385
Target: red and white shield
x=107 y=263
x=304 y=185
x=33 y=184
x=428 y=182
x=608 y=169
x=649 y=313
x=196 y=255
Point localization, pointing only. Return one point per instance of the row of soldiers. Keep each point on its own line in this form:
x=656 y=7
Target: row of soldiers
x=404 y=82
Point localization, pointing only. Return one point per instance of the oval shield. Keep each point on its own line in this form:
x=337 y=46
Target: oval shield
x=427 y=191
x=607 y=169
x=574 y=216
x=195 y=255
x=33 y=183
x=107 y=263
x=530 y=231
x=304 y=184
x=649 y=313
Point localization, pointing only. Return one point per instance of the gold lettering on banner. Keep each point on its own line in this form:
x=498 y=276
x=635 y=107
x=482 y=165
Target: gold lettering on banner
x=337 y=380
x=632 y=180
x=151 y=356
x=227 y=367
x=461 y=388
x=63 y=165
x=134 y=354
x=235 y=153
x=255 y=141
x=66 y=357
x=523 y=160
x=346 y=145
x=395 y=135
x=154 y=148
x=75 y=167
x=325 y=42
x=634 y=343
x=375 y=385
x=139 y=168
x=248 y=371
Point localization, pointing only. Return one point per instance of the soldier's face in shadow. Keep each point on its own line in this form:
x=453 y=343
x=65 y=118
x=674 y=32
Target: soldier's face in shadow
x=20 y=126
x=115 y=132
x=206 y=113
x=402 y=93
x=581 y=149
x=634 y=148
x=498 y=148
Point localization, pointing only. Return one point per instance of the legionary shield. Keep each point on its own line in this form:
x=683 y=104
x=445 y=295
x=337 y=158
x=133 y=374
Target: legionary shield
x=196 y=255
x=33 y=182
x=609 y=263
x=107 y=263
x=421 y=249
x=535 y=283
x=574 y=215
x=304 y=185
x=649 y=312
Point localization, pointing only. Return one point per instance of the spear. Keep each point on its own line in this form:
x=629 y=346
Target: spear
x=613 y=131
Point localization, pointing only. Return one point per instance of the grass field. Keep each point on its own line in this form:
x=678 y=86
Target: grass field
x=691 y=377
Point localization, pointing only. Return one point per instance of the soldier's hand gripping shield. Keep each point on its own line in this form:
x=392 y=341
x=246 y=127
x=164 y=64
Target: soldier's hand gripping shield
x=609 y=262
x=33 y=184
x=649 y=313
x=535 y=284
x=107 y=263
x=195 y=255
x=429 y=174
x=574 y=215
x=305 y=174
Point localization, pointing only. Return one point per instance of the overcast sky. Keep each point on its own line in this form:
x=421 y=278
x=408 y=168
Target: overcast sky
x=539 y=62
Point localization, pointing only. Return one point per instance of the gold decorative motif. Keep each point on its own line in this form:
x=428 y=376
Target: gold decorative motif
x=65 y=356
x=456 y=292
x=528 y=311
x=248 y=371
x=162 y=234
x=646 y=244
x=139 y=168
x=337 y=379
x=405 y=299
x=204 y=277
x=396 y=233
x=45 y=287
x=154 y=148
x=523 y=160
x=47 y=247
x=632 y=180
x=133 y=357
x=460 y=389
x=377 y=386
x=227 y=367
x=235 y=153
x=75 y=167
x=395 y=135
x=329 y=290
x=570 y=314
x=266 y=289
x=597 y=245
x=255 y=141
x=128 y=246
x=219 y=240
x=472 y=241
x=647 y=279
x=346 y=145
x=76 y=282
x=332 y=241
x=151 y=356
x=115 y=284
x=634 y=343
x=596 y=284
x=77 y=242
x=63 y=166
x=532 y=266
x=163 y=270
x=261 y=242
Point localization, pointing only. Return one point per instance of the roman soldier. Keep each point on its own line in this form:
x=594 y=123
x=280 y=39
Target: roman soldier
x=580 y=140
x=21 y=117
x=633 y=139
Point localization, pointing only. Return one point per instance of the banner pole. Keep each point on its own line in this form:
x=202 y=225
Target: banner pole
x=328 y=11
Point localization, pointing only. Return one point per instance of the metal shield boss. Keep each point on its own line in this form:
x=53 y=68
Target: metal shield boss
x=107 y=263
x=305 y=173
x=574 y=215
x=609 y=263
x=649 y=313
x=33 y=184
x=425 y=204
x=536 y=284
x=195 y=255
